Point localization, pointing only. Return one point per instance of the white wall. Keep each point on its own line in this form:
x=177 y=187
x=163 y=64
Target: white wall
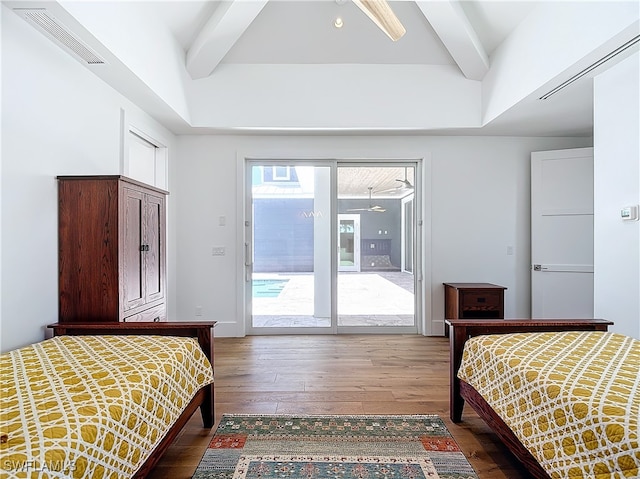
x=57 y=119
x=617 y=184
x=479 y=206
x=273 y=96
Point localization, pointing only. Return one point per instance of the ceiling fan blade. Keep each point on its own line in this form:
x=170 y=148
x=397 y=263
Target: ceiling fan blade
x=406 y=184
x=389 y=190
x=372 y=208
x=375 y=209
x=381 y=14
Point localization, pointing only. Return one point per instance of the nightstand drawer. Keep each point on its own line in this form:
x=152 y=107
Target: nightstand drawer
x=473 y=301
x=480 y=300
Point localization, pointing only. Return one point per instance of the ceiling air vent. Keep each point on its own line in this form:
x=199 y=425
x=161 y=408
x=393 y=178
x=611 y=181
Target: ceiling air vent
x=592 y=67
x=47 y=24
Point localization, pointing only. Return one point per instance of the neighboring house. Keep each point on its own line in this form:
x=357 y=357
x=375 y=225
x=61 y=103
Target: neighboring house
x=284 y=215
x=60 y=117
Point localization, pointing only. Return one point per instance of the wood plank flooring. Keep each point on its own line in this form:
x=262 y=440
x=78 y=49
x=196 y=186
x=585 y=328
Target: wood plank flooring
x=363 y=374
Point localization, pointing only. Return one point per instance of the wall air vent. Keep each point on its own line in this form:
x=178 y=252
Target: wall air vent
x=592 y=67
x=47 y=24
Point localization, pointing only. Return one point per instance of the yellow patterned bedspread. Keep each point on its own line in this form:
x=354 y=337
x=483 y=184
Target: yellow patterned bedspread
x=573 y=399
x=93 y=406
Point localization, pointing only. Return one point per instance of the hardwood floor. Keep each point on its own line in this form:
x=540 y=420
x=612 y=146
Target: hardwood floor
x=363 y=374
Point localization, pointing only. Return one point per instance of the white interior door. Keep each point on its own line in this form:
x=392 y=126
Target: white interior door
x=562 y=233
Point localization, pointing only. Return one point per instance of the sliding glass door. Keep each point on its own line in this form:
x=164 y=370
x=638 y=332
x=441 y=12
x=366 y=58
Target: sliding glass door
x=330 y=247
x=379 y=295
x=290 y=246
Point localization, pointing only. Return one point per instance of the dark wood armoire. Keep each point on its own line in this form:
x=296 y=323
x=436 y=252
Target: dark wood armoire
x=112 y=249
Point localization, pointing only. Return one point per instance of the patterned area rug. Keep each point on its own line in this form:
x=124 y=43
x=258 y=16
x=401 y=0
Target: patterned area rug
x=333 y=447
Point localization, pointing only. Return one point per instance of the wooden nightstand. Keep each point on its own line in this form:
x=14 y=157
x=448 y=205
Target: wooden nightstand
x=473 y=301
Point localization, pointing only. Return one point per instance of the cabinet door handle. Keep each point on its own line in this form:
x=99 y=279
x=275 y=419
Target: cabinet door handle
x=144 y=247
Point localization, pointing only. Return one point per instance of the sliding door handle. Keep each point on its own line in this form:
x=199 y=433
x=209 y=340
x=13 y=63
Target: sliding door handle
x=248 y=262
x=248 y=257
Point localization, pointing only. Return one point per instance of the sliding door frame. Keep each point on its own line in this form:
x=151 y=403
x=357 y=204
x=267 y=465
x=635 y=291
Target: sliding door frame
x=417 y=276
x=248 y=246
x=422 y=302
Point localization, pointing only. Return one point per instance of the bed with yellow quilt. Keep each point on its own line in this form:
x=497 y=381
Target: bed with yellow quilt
x=570 y=399
x=102 y=406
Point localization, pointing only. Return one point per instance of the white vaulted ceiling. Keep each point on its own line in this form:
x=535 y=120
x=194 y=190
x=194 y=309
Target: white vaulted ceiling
x=288 y=32
x=303 y=32
x=463 y=67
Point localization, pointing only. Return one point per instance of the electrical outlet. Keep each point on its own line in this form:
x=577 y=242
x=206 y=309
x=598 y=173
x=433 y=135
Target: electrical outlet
x=198 y=310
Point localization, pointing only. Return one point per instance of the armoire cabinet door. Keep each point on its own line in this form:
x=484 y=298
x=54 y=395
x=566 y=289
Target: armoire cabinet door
x=133 y=249
x=153 y=256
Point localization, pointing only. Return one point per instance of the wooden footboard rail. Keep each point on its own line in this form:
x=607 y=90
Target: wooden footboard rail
x=203 y=399
x=459 y=391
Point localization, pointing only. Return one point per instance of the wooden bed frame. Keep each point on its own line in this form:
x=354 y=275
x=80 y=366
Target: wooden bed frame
x=203 y=399
x=460 y=391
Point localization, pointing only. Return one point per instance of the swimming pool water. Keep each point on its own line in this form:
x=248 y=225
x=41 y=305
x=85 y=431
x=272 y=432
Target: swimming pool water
x=268 y=288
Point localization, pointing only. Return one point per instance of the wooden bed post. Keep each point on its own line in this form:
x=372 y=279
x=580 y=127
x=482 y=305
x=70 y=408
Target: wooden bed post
x=457 y=338
x=207 y=407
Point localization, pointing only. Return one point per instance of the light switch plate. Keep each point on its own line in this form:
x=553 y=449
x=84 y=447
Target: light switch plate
x=629 y=213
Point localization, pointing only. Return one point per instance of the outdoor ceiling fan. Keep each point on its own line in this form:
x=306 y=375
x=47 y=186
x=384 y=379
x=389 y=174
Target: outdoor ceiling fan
x=381 y=14
x=372 y=208
x=405 y=184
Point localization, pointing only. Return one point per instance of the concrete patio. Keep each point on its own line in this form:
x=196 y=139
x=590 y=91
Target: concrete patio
x=364 y=299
